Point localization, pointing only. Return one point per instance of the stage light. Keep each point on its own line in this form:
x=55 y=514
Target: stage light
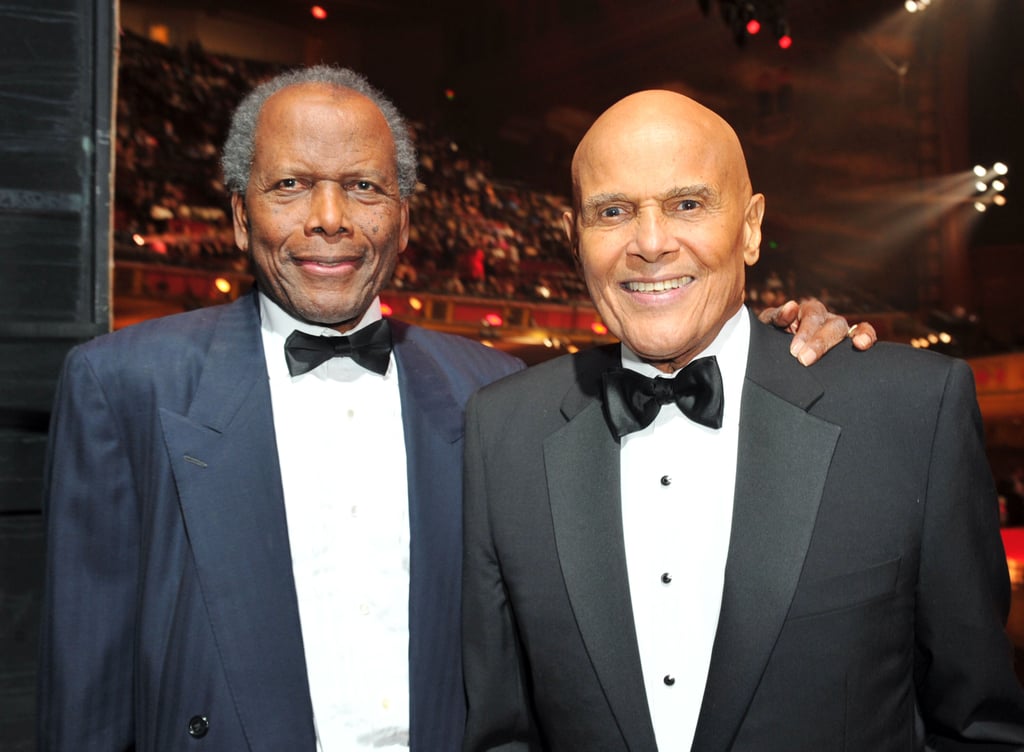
x=782 y=34
x=598 y=328
x=138 y=239
x=318 y=12
x=415 y=303
x=990 y=191
x=449 y=94
x=747 y=18
x=493 y=319
x=222 y=284
x=911 y=6
x=385 y=309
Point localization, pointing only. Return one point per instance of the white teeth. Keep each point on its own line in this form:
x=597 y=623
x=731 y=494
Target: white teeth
x=659 y=286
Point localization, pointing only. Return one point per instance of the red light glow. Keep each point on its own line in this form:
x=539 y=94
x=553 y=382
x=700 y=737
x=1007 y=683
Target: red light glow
x=493 y=319
x=785 y=41
x=598 y=328
x=318 y=12
x=753 y=26
x=385 y=309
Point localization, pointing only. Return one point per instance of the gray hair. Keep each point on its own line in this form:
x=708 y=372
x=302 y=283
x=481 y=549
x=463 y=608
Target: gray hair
x=240 y=145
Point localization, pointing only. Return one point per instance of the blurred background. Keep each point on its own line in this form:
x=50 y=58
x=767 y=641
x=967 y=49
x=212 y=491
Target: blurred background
x=886 y=136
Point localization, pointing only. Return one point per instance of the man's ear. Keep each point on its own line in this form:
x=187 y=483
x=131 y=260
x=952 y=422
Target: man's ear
x=240 y=220
x=752 y=229
x=569 y=227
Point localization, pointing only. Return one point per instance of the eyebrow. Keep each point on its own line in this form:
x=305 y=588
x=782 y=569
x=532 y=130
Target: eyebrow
x=600 y=199
x=703 y=190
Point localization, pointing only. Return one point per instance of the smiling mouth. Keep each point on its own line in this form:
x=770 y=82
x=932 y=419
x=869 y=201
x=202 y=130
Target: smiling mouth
x=329 y=263
x=660 y=286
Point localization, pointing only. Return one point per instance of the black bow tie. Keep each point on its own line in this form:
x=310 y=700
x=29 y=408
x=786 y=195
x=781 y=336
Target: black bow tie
x=370 y=347
x=632 y=401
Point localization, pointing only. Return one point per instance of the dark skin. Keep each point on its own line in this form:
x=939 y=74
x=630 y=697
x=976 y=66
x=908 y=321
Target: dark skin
x=815 y=329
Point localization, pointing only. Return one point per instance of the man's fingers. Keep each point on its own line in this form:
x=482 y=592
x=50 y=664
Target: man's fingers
x=863 y=335
x=783 y=316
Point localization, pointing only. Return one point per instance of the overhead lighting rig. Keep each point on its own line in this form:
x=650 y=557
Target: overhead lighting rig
x=989 y=185
x=747 y=18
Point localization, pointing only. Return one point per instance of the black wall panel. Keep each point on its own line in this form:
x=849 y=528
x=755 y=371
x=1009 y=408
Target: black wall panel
x=57 y=82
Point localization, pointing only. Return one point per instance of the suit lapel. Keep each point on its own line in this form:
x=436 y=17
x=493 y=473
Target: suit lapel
x=783 y=459
x=582 y=459
x=224 y=459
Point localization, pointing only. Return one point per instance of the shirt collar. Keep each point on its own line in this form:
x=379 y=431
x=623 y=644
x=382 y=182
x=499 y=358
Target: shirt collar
x=274 y=319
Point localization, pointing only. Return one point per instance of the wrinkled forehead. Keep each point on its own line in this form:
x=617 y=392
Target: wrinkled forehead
x=298 y=101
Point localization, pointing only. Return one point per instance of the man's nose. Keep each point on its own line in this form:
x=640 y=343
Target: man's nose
x=327 y=210
x=653 y=239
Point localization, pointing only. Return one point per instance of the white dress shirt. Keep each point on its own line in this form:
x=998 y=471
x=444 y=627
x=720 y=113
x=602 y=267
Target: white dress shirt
x=341 y=447
x=678 y=479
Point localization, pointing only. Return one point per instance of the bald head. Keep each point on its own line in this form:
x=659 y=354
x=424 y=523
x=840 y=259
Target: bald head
x=666 y=116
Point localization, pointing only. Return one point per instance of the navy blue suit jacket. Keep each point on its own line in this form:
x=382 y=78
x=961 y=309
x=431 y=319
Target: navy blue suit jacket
x=169 y=588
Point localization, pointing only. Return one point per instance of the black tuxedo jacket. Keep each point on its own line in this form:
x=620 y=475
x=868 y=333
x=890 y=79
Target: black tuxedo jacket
x=169 y=588
x=865 y=587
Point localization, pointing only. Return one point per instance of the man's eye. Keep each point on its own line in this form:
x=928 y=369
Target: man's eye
x=364 y=185
x=611 y=212
x=688 y=204
x=287 y=183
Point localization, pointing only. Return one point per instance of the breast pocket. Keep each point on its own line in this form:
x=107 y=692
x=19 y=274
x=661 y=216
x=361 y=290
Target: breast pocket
x=847 y=590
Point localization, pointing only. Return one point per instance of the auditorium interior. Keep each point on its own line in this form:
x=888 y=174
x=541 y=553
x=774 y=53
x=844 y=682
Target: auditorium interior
x=885 y=135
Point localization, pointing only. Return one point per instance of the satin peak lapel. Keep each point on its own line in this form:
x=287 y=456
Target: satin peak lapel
x=782 y=464
x=584 y=491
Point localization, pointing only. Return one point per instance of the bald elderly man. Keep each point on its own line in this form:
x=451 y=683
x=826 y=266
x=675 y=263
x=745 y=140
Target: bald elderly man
x=688 y=541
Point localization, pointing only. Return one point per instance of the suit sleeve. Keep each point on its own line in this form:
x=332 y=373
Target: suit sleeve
x=968 y=695
x=88 y=621
x=499 y=717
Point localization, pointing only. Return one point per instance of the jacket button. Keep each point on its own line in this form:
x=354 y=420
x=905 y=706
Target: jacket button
x=669 y=680
x=198 y=726
x=666 y=578
x=666 y=481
